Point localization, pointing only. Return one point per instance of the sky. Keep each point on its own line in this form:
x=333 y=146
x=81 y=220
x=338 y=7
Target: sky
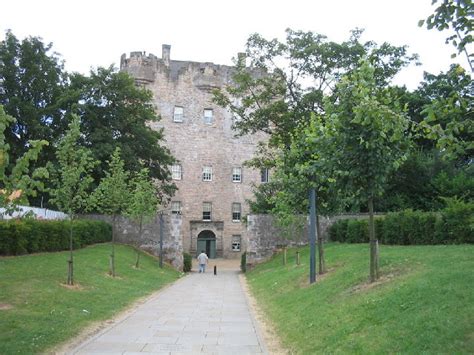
x=92 y=33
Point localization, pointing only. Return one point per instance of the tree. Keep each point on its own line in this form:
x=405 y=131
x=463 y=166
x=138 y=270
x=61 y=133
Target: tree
x=286 y=83
x=21 y=182
x=116 y=113
x=365 y=136
x=73 y=182
x=112 y=196
x=448 y=116
x=143 y=203
x=32 y=82
x=456 y=16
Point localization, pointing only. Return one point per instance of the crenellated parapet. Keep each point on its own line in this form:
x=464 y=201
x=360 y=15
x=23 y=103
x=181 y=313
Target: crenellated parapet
x=147 y=69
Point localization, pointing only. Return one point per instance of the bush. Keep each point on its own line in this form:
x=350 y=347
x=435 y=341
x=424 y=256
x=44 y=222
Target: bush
x=338 y=231
x=455 y=224
x=243 y=262
x=187 y=262
x=33 y=236
x=357 y=231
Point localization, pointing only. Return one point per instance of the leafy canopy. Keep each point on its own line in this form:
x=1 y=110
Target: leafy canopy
x=73 y=181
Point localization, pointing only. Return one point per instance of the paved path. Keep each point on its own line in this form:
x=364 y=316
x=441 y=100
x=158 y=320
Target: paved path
x=199 y=314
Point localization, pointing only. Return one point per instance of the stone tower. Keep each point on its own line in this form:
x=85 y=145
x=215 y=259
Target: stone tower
x=213 y=185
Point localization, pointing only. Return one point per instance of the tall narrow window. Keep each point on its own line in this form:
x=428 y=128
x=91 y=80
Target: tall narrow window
x=264 y=175
x=236 y=174
x=236 y=240
x=176 y=207
x=176 y=173
x=206 y=211
x=178 y=114
x=207 y=173
x=208 y=116
x=236 y=211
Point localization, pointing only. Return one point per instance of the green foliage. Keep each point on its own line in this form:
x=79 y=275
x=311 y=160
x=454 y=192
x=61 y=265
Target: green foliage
x=449 y=115
x=457 y=17
x=243 y=262
x=425 y=304
x=273 y=95
x=143 y=203
x=19 y=179
x=457 y=222
x=337 y=232
x=73 y=182
x=112 y=195
x=366 y=134
x=453 y=225
x=32 y=236
x=187 y=262
x=115 y=113
x=45 y=314
x=32 y=82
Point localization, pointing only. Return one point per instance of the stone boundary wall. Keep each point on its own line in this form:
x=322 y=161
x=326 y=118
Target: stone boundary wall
x=127 y=233
x=265 y=238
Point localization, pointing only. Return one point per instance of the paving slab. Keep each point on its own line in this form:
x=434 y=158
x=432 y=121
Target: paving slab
x=198 y=314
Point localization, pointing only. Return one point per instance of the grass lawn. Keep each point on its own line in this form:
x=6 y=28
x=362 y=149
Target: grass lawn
x=424 y=302
x=37 y=311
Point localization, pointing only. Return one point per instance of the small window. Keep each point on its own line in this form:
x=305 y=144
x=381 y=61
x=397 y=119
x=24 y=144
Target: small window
x=236 y=174
x=264 y=175
x=236 y=211
x=208 y=116
x=207 y=173
x=206 y=211
x=176 y=207
x=236 y=239
x=176 y=172
x=178 y=114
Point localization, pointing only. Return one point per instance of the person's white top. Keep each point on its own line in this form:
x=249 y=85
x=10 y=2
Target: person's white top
x=202 y=258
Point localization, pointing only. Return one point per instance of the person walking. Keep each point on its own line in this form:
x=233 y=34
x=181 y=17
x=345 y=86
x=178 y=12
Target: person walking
x=202 y=259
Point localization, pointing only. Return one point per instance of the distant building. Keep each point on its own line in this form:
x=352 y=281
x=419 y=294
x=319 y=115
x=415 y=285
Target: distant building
x=213 y=185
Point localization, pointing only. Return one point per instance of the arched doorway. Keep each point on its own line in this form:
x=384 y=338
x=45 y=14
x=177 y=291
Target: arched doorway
x=206 y=241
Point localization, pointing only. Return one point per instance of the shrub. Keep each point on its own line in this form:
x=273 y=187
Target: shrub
x=243 y=262
x=357 y=231
x=455 y=224
x=338 y=231
x=32 y=236
x=187 y=262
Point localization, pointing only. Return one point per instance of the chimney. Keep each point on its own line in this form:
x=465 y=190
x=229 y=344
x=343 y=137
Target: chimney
x=165 y=54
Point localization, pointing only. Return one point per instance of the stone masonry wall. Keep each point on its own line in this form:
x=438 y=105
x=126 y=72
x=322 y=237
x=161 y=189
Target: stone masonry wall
x=127 y=233
x=265 y=238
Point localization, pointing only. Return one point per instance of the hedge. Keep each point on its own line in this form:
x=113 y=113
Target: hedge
x=32 y=236
x=187 y=262
x=453 y=225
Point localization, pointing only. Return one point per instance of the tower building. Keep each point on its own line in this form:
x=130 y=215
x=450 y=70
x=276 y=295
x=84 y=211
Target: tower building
x=213 y=183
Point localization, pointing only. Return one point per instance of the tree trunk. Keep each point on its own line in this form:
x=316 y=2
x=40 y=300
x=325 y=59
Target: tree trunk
x=322 y=264
x=298 y=258
x=137 y=264
x=70 y=271
x=374 y=272
x=112 y=255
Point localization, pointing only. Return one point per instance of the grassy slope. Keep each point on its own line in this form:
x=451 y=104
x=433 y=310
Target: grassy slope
x=424 y=304
x=46 y=313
